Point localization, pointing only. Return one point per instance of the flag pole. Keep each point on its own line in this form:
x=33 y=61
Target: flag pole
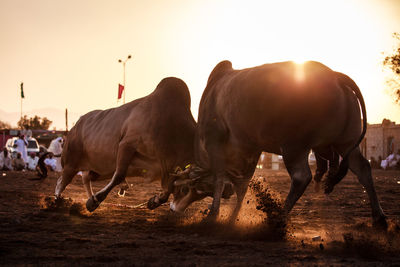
x=21 y=96
x=66 y=120
x=123 y=65
x=124 y=81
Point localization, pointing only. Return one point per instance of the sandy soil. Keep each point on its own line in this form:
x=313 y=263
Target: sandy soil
x=121 y=232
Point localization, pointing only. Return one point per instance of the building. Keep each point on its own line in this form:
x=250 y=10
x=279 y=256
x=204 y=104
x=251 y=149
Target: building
x=381 y=140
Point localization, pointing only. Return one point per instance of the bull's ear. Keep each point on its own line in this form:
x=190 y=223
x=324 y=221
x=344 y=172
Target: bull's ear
x=180 y=182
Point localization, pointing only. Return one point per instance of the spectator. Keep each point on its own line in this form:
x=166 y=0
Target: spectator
x=5 y=161
x=21 y=147
x=42 y=151
x=32 y=161
x=56 y=147
x=41 y=166
x=391 y=162
x=50 y=162
x=18 y=163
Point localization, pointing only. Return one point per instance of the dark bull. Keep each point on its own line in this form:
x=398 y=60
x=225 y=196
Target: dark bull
x=283 y=108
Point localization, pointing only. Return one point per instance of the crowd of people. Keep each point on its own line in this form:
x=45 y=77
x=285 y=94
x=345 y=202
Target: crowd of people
x=392 y=162
x=43 y=161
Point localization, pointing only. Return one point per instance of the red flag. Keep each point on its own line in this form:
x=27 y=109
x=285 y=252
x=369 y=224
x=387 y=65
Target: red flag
x=120 y=90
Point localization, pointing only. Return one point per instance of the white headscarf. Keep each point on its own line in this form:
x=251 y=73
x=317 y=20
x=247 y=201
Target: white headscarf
x=56 y=146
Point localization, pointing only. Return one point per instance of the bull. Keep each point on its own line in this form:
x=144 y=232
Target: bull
x=150 y=136
x=283 y=108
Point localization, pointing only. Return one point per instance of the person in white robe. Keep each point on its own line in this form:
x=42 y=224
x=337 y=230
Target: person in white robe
x=18 y=163
x=56 y=147
x=32 y=162
x=391 y=161
x=5 y=161
x=51 y=162
x=21 y=147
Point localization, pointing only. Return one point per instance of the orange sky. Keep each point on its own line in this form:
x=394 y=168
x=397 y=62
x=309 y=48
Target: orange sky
x=66 y=52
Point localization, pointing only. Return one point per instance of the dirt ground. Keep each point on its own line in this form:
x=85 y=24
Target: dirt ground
x=332 y=231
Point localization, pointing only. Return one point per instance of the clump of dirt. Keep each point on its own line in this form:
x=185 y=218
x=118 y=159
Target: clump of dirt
x=269 y=203
x=195 y=222
x=62 y=205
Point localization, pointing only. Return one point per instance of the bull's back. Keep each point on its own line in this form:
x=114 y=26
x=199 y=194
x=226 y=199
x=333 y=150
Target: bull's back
x=92 y=144
x=281 y=103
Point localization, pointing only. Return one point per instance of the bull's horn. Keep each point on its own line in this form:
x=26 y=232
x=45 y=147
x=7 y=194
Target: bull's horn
x=180 y=182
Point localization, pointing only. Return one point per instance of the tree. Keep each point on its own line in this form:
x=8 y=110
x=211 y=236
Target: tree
x=34 y=123
x=392 y=62
x=4 y=125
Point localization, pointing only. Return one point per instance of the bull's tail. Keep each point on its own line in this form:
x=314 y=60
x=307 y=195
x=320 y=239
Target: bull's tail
x=346 y=82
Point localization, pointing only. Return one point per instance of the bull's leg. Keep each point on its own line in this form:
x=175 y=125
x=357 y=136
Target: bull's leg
x=322 y=167
x=241 y=183
x=158 y=200
x=166 y=185
x=64 y=180
x=360 y=166
x=218 y=190
x=240 y=189
x=87 y=178
x=296 y=162
x=215 y=152
x=124 y=158
x=333 y=165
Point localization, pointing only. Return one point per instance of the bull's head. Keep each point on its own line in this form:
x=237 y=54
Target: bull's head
x=193 y=184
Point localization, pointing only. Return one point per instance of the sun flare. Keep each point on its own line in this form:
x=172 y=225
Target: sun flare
x=299 y=71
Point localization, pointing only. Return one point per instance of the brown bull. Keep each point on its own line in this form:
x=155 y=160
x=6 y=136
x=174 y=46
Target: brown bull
x=152 y=136
x=283 y=108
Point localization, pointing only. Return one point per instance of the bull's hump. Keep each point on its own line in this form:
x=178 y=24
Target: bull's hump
x=173 y=89
x=171 y=82
x=221 y=68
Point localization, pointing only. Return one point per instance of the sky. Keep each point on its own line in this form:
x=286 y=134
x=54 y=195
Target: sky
x=66 y=52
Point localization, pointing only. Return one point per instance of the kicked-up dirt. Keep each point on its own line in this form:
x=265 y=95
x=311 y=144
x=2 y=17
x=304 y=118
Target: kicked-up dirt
x=334 y=230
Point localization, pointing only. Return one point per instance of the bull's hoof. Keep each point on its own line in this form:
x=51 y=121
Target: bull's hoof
x=153 y=203
x=381 y=223
x=58 y=200
x=328 y=188
x=92 y=204
x=211 y=217
x=317 y=186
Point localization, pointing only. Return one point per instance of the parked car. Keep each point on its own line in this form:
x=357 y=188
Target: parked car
x=33 y=146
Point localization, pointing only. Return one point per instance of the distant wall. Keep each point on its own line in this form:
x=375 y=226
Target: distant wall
x=382 y=139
